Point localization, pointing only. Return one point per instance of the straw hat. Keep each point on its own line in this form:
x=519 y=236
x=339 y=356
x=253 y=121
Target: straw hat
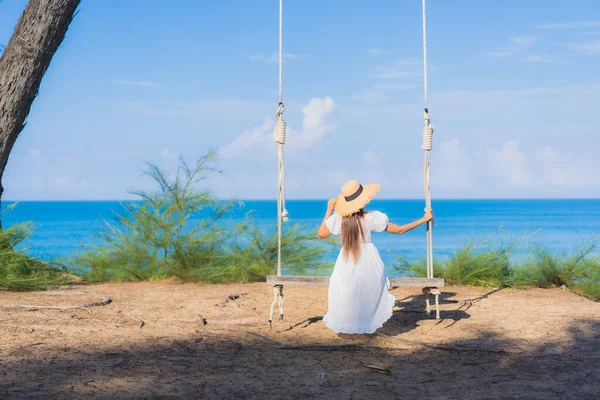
x=354 y=196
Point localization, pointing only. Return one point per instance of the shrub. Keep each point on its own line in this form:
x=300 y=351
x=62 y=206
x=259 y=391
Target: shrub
x=468 y=265
x=577 y=270
x=178 y=231
x=18 y=271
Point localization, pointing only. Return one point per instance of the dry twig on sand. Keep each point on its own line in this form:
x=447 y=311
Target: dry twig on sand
x=332 y=347
x=242 y=321
x=27 y=345
x=61 y=293
x=104 y=300
x=140 y=322
x=199 y=318
x=233 y=298
x=379 y=368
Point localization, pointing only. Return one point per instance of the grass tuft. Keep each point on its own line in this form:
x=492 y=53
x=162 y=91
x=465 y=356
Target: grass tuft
x=491 y=266
x=19 y=272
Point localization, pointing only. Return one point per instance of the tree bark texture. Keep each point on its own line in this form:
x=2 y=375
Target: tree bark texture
x=37 y=36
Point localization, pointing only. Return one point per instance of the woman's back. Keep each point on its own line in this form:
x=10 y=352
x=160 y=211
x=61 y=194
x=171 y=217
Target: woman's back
x=373 y=221
x=359 y=301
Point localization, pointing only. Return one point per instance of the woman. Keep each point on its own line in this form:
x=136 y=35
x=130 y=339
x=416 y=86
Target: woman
x=359 y=301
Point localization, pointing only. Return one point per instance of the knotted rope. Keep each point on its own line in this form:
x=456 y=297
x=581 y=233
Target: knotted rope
x=279 y=134
x=427 y=145
x=282 y=213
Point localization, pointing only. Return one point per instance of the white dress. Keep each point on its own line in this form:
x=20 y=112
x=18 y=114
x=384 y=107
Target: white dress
x=359 y=301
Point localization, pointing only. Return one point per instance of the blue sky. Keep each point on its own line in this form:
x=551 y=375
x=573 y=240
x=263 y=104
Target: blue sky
x=514 y=96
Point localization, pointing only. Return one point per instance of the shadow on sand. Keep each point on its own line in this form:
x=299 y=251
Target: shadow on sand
x=211 y=364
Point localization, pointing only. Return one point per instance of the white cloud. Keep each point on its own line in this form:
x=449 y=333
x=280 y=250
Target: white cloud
x=557 y=103
x=543 y=170
x=452 y=166
x=540 y=58
x=135 y=83
x=562 y=169
x=273 y=57
x=509 y=164
x=570 y=25
x=314 y=127
x=405 y=70
x=256 y=138
x=83 y=184
x=523 y=41
x=518 y=44
x=589 y=48
x=377 y=52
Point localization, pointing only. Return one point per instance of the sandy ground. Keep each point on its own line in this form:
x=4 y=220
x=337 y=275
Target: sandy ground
x=489 y=344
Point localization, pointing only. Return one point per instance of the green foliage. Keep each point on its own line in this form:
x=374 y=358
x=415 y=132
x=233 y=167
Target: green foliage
x=468 y=266
x=479 y=265
x=588 y=281
x=491 y=266
x=179 y=231
x=251 y=260
x=576 y=271
x=20 y=272
x=544 y=269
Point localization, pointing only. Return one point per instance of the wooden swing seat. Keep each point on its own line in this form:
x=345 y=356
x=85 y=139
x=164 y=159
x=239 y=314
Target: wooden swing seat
x=428 y=286
x=324 y=281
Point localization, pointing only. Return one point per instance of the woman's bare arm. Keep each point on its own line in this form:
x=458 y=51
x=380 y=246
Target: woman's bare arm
x=324 y=232
x=400 y=229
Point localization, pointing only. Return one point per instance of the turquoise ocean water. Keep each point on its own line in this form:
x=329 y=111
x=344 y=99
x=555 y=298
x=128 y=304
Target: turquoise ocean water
x=561 y=225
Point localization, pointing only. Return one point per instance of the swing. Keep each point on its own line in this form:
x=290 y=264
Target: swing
x=429 y=285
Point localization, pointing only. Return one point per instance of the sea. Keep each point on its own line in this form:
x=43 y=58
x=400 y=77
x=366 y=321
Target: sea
x=63 y=229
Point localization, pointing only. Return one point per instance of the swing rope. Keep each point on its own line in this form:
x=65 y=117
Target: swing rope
x=279 y=133
x=427 y=145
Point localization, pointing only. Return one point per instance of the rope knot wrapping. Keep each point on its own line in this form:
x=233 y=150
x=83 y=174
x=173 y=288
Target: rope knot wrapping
x=427 y=143
x=279 y=132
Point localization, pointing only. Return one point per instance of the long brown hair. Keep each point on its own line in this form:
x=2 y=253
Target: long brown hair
x=352 y=234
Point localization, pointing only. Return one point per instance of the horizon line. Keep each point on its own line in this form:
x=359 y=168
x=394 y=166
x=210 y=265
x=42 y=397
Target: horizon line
x=314 y=199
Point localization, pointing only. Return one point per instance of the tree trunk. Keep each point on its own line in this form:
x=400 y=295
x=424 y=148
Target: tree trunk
x=39 y=32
